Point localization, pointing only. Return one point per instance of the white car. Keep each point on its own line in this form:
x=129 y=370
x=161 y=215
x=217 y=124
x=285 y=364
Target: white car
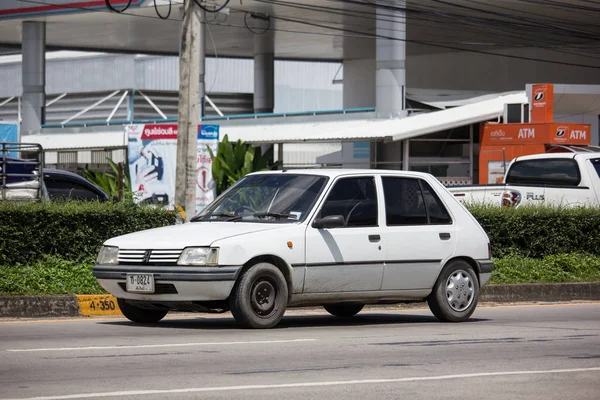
x=279 y=239
x=551 y=179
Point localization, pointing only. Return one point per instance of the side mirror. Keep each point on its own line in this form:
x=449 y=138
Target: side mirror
x=331 y=221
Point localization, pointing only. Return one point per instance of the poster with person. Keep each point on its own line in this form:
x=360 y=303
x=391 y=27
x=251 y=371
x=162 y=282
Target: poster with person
x=152 y=159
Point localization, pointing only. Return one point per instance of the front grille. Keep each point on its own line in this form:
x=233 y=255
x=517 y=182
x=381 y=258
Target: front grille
x=159 y=288
x=145 y=257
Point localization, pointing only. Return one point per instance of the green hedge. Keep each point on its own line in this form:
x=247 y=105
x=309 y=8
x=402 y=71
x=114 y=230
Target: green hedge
x=52 y=275
x=538 y=232
x=73 y=231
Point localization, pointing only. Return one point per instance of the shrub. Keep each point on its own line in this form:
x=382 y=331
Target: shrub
x=572 y=267
x=538 y=232
x=74 y=231
x=49 y=275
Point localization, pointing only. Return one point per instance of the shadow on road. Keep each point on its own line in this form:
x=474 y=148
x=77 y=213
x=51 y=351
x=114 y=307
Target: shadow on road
x=226 y=321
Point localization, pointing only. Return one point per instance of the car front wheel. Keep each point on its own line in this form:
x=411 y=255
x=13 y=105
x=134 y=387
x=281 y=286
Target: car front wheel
x=455 y=293
x=260 y=297
x=140 y=315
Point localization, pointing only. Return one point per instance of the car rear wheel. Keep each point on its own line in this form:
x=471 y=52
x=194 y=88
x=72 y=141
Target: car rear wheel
x=343 y=310
x=140 y=315
x=455 y=293
x=260 y=297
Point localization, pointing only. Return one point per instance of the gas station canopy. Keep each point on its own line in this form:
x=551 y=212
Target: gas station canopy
x=303 y=30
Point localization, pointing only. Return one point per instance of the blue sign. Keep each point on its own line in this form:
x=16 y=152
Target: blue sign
x=208 y=132
x=9 y=133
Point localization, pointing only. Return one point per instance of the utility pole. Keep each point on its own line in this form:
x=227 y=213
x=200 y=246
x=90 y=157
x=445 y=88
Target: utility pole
x=191 y=92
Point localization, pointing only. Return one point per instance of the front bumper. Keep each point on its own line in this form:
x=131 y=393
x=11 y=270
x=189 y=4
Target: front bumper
x=172 y=283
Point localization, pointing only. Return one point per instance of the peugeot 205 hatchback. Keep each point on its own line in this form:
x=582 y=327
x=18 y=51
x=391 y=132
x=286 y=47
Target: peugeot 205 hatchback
x=336 y=238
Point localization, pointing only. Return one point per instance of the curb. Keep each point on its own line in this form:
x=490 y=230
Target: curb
x=106 y=305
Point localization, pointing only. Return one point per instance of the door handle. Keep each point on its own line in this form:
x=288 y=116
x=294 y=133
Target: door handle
x=444 y=236
x=374 y=238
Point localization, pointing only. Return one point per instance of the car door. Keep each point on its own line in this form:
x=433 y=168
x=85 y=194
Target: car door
x=419 y=233
x=348 y=258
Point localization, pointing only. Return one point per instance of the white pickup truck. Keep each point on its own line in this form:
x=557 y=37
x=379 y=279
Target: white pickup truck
x=567 y=179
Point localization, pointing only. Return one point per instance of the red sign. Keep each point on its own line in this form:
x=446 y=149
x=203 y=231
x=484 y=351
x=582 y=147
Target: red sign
x=542 y=103
x=17 y=8
x=159 y=131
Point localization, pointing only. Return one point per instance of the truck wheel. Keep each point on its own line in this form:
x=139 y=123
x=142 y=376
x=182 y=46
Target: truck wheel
x=343 y=310
x=260 y=297
x=140 y=315
x=455 y=293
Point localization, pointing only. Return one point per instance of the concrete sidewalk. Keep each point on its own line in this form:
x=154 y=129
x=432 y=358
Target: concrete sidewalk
x=92 y=305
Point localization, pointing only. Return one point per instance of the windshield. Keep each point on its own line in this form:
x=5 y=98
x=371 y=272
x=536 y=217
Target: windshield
x=281 y=198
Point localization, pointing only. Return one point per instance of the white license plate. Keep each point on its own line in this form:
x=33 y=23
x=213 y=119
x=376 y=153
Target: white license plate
x=140 y=283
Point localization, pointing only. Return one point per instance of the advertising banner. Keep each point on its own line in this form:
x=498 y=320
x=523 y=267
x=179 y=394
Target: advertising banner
x=152 y=159
x=9 y=133
x=548 y=133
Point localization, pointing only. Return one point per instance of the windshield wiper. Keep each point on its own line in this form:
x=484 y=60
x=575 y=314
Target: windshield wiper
x=218 y=215
x=271 y=214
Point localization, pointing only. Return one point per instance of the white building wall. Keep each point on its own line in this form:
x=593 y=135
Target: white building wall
x=472 y=71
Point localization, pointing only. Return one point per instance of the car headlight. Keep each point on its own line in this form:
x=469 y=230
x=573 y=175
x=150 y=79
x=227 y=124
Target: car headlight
x=199 y=256
x=108 y=255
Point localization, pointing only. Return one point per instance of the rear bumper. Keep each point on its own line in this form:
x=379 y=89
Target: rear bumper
x=485 y=266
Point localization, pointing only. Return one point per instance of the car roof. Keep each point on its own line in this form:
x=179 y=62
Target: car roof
x=68 y=174
x=582 y=155
x=335 y=172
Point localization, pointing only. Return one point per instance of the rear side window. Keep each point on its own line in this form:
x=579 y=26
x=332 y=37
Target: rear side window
x=67 y=189
x=552 y=172
x=410 y=201
x=596 y=164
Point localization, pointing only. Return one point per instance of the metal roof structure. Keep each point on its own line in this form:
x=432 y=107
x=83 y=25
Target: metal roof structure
x=360 y=127
x=304 y=29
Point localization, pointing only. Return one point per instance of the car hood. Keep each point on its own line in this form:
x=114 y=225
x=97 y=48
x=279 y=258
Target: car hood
x=189 y=234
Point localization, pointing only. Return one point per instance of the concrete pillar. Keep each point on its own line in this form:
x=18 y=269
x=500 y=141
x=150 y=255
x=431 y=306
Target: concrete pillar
x=390 y=62
x=264 y=72
x=34 y=76
x=359 y=83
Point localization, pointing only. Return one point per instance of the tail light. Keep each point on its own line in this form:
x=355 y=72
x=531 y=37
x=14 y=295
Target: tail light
x=511 y=198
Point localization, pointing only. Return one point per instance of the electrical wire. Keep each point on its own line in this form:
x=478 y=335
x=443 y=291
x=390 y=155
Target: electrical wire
x=113 y=9
x=168 y=12
x=214 y=10
x=418 y=14
x=260 y=17
x=214 y=82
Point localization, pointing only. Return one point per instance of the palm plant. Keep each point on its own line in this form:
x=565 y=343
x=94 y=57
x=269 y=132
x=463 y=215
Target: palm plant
x=234 y=160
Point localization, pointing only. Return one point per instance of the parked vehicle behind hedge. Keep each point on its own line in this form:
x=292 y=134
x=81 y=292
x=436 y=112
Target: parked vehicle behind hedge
x=23 y=177
x=566 y=179
x=337 y=238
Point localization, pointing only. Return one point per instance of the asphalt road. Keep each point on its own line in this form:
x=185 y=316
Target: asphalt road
x=512 y=352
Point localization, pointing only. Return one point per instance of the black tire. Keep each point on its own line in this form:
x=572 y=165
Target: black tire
x=343 y=310
x=140 y=315
x=260 y=297
x=455 y=293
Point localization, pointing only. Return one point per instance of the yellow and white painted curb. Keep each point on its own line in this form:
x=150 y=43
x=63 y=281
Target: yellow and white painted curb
x=101 y=304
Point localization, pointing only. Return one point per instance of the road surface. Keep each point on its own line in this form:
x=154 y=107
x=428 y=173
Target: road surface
x=509 y=352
